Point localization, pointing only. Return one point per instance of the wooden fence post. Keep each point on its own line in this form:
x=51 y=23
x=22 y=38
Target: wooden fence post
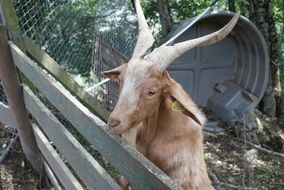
x=13 y=91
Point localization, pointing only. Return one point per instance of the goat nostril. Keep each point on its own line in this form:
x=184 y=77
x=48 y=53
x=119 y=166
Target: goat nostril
x=113 y=123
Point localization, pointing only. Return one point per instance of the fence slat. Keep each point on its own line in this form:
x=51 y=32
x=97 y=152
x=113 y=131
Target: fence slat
x=6 y=116
x=51 y=177
x=141 y=173
x=87 y=168
x=49 y=64
x=60 y=169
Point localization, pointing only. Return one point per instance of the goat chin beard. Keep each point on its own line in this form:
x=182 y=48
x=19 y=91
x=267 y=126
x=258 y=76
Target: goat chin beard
x=119 y=129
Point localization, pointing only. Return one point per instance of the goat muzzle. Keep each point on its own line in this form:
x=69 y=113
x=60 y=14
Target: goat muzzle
x=113 y=122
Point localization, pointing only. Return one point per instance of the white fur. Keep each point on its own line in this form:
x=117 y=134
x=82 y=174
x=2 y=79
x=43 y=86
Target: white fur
x=135 y=72
x=181 y=175
x=200 y=116
x=179 y=159
x=129 y=91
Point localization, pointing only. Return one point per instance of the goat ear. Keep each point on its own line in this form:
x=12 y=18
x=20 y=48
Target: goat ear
x=182 y=101
x=113 y=74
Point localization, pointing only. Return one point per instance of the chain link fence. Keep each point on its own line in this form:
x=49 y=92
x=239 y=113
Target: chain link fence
x=116 y=32
x=3 y=98
x=83 y=37
x=56 y=26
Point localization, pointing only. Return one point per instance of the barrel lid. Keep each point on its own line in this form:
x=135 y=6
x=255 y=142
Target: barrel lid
x=228 y=78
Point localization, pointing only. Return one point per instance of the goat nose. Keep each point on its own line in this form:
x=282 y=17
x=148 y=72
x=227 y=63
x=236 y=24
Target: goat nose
x=113 y=122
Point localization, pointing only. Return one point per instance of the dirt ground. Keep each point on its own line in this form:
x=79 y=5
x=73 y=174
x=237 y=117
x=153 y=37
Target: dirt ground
x=237 y=163
x=229 y=159
x=14 y=175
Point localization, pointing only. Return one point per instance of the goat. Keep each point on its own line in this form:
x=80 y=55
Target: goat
x=168 y=122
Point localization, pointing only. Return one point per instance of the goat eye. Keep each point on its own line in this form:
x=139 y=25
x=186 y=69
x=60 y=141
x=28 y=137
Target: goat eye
x=151 y=93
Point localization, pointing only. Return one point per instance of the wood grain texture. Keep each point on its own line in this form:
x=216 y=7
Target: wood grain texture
x=139 y=171
x=57 y=165
x=51 y=177
x=6 y=116
x=62 y=76
x=87 y=168
x=12 y=88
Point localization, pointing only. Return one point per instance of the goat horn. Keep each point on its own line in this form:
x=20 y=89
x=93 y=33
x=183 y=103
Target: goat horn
x=145 y=38
x=165 y=55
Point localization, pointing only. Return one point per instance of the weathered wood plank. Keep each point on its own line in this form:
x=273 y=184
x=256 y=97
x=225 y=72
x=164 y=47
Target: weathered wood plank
x=51 y=177
x=52 y=67
x=140 y=172
x=1 y=16
x=87 y=168
x=11 y=21
x=62 y=76
x=12 y=88
x=61 y=171
x=6 y=116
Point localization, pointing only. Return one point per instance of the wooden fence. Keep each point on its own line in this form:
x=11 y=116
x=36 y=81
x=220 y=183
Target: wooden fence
x=81 y=170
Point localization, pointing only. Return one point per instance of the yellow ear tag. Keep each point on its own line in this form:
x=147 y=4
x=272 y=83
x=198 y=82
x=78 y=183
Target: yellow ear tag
x=176 y=106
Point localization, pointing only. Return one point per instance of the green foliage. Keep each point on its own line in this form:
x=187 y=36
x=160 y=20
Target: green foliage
x=179 y=9
x=117 y=24
x=63 y=28
x=244 y=7
x=75 y=29
x=182 y=9
x=278 y=10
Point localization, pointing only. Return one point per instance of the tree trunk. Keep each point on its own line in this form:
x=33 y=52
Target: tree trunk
x=281 y=119
x=165 y=18
x=263 y=17
x=232 y=5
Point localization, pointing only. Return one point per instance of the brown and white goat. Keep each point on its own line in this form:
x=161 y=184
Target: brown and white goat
x=169 y=123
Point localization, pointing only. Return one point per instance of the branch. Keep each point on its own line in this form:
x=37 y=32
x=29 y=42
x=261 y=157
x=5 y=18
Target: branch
x=227 y=185
x=258 y=147
x=8 y=130
x=7 y=149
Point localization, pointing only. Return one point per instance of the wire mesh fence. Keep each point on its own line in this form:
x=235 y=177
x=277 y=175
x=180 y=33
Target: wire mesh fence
x=115 y=30
x=3 y=98
x=83 y=37
x=52 y=26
